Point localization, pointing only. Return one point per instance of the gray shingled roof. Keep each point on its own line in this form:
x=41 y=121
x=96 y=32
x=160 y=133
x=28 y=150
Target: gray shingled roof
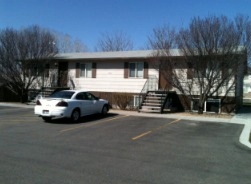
x=111 y=55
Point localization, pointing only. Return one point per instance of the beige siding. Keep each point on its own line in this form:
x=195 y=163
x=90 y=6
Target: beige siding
x=109 y=78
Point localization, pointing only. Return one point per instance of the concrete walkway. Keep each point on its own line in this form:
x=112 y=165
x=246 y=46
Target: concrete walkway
x=243 y=117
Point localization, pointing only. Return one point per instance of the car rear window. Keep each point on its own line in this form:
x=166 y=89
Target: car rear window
x=62 y=94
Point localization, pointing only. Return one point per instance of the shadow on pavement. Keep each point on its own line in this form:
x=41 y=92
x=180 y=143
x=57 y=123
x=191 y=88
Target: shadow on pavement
x=85 y=119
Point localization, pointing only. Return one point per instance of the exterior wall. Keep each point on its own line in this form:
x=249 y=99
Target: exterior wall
x=109 y=78
x=195 y=91
x=48 y=79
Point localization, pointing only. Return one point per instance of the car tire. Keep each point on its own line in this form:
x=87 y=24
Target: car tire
x=75 y=115
x=105 y=110
x=46 y=119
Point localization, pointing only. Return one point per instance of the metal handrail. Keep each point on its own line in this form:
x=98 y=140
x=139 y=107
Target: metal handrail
x=141 y=95
x=143 y=92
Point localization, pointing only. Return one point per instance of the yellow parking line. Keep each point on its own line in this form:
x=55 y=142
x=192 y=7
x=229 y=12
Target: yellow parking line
x=92 y=124
x=146 y=133
x=175 y=121
x=141 y=135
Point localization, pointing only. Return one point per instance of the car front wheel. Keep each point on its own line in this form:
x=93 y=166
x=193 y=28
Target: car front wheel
x=75 y=116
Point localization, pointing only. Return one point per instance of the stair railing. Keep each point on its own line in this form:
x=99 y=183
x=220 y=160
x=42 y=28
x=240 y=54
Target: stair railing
x=163 y=101
x=142 y=95
x=150 y=84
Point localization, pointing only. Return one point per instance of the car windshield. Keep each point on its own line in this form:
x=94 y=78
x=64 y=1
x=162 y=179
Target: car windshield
x=62 y=94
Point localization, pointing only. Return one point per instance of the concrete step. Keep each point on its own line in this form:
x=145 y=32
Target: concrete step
x=150 y=111
x=150 y=107
x=151 y=104
x=156 y=95
x=153 y=101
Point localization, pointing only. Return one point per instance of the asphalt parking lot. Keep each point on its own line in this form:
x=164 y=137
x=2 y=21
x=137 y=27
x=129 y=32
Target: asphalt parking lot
x=119 y=149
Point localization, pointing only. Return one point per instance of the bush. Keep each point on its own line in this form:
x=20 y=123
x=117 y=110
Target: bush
x=122 y=100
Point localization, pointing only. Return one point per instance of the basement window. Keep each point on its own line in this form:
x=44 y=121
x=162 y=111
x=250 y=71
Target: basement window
x=195 y=104
x=137 y=99
x=211 y=105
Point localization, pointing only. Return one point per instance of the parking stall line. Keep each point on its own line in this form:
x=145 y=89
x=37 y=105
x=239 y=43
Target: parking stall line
x=156 y=129
x=92 y=124
x=141 y=135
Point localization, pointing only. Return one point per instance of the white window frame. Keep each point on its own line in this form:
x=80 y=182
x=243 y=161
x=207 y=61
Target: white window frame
x=138 y=70
x=86 y=70
x=205 y=105
x=137 y=99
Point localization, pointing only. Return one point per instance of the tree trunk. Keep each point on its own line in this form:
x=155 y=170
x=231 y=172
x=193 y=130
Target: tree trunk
x=200 y=110
x=201 y=107
x=24 y=96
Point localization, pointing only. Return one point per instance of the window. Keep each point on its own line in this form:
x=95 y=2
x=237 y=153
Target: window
x=136 y=69
x=85 y=96
x=189 y=70
x=86 y=70
x=137 y=99
x=195 y=104
x=62 y=94
x=211 y=105
x=40 y=71
x=81 y=96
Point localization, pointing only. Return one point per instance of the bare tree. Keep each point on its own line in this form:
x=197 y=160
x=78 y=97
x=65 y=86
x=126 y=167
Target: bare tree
x=117 y=41
x=24 y=55
x=79 y=46
x=212 y=56
x=66 y=44
x=243 y=24
x=162 y=38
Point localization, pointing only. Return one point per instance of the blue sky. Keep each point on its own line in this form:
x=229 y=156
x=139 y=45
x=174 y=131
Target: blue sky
x=88 y=19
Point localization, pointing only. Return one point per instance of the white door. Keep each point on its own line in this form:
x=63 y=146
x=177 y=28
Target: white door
x=93 y=103
x=84 y=103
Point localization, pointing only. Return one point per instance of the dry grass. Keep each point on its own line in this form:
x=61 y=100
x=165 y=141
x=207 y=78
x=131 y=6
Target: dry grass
x=210 y=115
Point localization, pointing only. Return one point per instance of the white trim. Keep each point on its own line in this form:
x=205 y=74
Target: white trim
x=205 y=105
x=87 y=73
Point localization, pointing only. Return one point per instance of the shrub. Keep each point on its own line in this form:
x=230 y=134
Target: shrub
x=122 y=100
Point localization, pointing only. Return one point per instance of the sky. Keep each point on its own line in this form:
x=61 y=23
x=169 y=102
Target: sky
x=87 y=20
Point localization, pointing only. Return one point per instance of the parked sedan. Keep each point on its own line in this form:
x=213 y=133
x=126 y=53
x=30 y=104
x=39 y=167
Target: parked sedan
x=70 y=104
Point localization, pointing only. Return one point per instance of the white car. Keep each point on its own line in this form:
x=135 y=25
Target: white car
x=70 y=104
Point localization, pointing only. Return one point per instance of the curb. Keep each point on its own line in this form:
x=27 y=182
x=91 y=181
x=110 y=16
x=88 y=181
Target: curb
x=245 y=135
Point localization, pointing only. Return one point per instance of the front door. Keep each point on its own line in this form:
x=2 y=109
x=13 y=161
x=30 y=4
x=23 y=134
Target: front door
x=62 y=74
x=165 y=77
